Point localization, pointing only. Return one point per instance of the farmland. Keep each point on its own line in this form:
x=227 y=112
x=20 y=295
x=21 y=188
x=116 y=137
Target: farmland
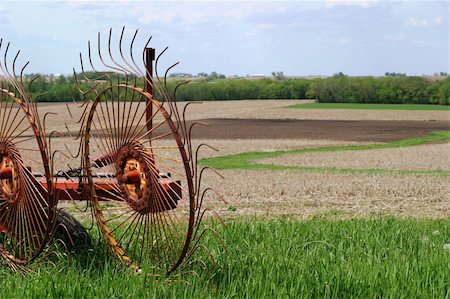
x=346 y=203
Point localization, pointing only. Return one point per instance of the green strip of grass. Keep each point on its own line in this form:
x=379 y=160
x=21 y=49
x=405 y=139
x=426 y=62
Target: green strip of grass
x=247 y=160
x=283 y=258
x=369 y=106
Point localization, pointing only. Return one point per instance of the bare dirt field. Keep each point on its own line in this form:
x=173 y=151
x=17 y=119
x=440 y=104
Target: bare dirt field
x=361 y=131
x=241 y=126
x=307 y=194
x=422 y=157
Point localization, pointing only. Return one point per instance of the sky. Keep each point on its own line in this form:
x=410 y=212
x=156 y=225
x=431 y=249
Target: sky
x=298 y=38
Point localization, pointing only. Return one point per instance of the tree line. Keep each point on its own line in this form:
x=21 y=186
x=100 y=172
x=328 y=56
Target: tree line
x=336 y=89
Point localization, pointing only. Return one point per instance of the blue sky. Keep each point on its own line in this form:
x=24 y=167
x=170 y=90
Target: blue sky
x=366 y=37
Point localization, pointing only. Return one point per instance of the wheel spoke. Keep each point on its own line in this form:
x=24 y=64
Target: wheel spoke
x=152 y=222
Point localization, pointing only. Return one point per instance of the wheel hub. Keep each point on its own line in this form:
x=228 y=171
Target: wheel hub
x=9 y=179
x=134 y=177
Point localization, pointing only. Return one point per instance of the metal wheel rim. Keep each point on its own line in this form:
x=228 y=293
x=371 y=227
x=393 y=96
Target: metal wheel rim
x=112 y=241
x=27 y=220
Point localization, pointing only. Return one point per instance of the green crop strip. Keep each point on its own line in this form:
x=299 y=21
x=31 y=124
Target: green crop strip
x=247 y=160
x=369 y=106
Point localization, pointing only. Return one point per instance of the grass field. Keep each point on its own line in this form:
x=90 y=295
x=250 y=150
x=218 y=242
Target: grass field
x=369 y=106
x=283 y=258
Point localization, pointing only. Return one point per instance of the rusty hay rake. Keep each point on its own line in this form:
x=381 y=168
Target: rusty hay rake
x=138 y=168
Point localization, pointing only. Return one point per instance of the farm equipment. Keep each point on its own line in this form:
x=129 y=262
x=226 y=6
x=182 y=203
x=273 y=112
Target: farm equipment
x=138 y=168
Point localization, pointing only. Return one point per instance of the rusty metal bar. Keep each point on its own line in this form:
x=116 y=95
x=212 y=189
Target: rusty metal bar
x=149 y=58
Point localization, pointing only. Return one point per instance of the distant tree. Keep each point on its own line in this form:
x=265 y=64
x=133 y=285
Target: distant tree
x=180 y=75
x=215 y=75
x=444 y=92
x=278 y=75
x=393 y=74
x=340 y=74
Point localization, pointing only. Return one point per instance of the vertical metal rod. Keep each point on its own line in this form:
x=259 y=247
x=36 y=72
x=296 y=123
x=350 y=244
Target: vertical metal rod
x=149 y=58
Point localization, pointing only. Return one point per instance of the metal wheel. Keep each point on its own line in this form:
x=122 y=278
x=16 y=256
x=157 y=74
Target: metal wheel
x=26 y=208
x=140 y=179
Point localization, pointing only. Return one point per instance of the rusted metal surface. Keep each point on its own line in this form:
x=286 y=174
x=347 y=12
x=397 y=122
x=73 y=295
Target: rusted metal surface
x=27 y=209
x=6 y=173
x=149 y=54
x=149 y=219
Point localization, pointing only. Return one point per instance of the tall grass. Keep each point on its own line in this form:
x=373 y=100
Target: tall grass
x=283 y=258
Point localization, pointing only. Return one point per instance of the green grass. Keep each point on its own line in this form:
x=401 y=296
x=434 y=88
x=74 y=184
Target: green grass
x=247 y=160
x=283 y=258
x=369 y=106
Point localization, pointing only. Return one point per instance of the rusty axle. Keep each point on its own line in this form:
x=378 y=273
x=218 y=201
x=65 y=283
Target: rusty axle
x=6 y=173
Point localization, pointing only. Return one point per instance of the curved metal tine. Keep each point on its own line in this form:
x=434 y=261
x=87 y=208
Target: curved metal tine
x=76 y=138
x=165 y=82
x=5 y=61
x=119 y=66
x=126 y=72
x=168 y=70
x=157 y=61
x=92 y=64
x=201 y=175
x=101 y=57
x=21 y=75
x=195 y=164
x=136 y=72
x=173 y=105
x=58 y=151
x=19 y=83
x=197 y=241
x=84 y=103
x=196 y=246
x=176 y=89
x=14 y=64
x=200 y=201
x=189 y=137
x=162 y=91
x=139 y=71
x=151 y=80
x=44 y=120
x=93 y=87
x=31 y=81
x=185 y=133
x=1 y=63
x=8 y=77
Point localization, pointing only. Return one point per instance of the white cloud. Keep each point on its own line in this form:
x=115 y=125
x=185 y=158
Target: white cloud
x=438 y=20
x=2 y=8
x=359 y=3
x=265 y=26
x=345 y=41
x=413 y=22
x=423 y=23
